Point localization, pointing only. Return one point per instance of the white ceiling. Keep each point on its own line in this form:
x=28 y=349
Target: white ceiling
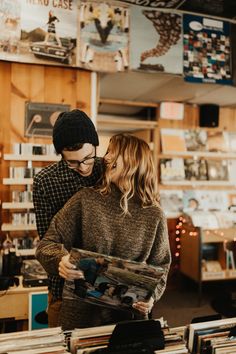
x=158 y=87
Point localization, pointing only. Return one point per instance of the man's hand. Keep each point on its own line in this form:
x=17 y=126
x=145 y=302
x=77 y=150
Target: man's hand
x=68 y=270
x=144 y=307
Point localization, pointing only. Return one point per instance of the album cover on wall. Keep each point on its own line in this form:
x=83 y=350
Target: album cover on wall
x=41 y=32
x=103 y=35
x=155 y=40
x=207 y=50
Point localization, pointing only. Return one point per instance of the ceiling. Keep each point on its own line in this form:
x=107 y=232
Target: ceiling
x=158 y=87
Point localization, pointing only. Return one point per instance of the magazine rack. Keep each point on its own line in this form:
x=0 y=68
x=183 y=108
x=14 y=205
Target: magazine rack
x=141 y=336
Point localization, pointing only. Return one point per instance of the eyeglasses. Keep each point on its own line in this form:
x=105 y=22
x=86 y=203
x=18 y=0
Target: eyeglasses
x=76 y=163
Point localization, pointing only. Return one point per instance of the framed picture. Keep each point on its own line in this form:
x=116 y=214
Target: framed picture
x=38 y=302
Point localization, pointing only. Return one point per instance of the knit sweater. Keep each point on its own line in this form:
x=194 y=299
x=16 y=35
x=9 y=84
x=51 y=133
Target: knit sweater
x=95 y=222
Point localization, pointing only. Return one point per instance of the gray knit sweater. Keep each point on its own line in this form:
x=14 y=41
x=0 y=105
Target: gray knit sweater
x=95 y=223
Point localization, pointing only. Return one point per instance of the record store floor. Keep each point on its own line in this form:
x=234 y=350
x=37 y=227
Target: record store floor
x=180 y=302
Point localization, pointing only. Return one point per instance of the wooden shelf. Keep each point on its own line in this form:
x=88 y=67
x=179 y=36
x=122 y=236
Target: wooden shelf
x=112 y=123
x=21 y=227
x=12 y=205
x=17 y=181
x=15 y=157
x=220 y=155
x=128 y=103
x=199 y=183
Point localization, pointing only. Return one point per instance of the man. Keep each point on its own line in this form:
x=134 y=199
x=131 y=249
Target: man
x=75 y=139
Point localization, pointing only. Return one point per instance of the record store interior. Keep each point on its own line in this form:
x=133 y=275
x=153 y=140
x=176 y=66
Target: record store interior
x=158 y=73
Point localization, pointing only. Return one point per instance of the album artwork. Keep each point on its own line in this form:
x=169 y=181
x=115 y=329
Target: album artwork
x=112 y=281
x=171 y=200
x=173 y=140
x=195 y=169
x=217 y=170
x=207 y=50
x=172 y=169
x=195 y=139
x=217 y=141
x=103 y=36
x=205 y=200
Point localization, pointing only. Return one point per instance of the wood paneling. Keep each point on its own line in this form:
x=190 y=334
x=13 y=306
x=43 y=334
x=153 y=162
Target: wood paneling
x=20 y=83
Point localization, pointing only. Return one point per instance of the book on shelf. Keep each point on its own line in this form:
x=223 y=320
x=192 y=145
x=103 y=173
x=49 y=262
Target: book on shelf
x=217 y=141
x=172 y=169
x=217 y=170
x=201 y=328
x=195 y=139
x=114 y=282
x=171 y=200
x=195 y=169
x=173 y=140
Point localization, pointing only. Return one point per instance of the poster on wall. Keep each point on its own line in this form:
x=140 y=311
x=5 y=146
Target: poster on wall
x=156 y=40
x=41 y=32
x=207 y=51
x=103 y=36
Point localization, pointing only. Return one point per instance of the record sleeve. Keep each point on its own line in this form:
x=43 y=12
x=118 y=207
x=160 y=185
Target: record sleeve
x=113 y=282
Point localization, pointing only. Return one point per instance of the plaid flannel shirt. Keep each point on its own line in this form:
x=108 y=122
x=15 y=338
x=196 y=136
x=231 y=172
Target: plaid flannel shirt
x=53 y=186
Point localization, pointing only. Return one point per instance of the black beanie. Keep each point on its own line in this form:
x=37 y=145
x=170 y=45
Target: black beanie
x=71 y=128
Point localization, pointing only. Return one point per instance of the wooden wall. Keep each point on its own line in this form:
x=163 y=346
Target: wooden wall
x=37 y=83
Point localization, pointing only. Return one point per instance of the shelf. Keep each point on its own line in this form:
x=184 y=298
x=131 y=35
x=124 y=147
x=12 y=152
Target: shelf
x=220 y=155
x=21 y=227
x=9 y=205
x=222 y=275
x=25 y=252
x=17 y=181
x=112 y=123
x=15 y=157
x=212 y=236
x=127 y=103
x=199 y=183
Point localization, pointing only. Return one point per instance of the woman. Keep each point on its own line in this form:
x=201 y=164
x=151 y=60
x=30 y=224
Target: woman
x=121 y=217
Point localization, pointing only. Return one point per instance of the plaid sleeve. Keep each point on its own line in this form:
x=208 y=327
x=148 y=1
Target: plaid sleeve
x=42 y=208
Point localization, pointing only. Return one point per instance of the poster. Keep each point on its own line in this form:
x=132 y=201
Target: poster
x=156 y=40
x=103 y=36
x=41 y=32
x=207 y=51
x=38 y=302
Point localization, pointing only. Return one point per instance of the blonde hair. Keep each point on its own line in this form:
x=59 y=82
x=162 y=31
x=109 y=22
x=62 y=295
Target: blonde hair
x=139 y=176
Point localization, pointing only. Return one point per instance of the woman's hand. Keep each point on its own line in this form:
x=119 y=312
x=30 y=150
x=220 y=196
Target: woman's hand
x=68 y=270
x=144 y=307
